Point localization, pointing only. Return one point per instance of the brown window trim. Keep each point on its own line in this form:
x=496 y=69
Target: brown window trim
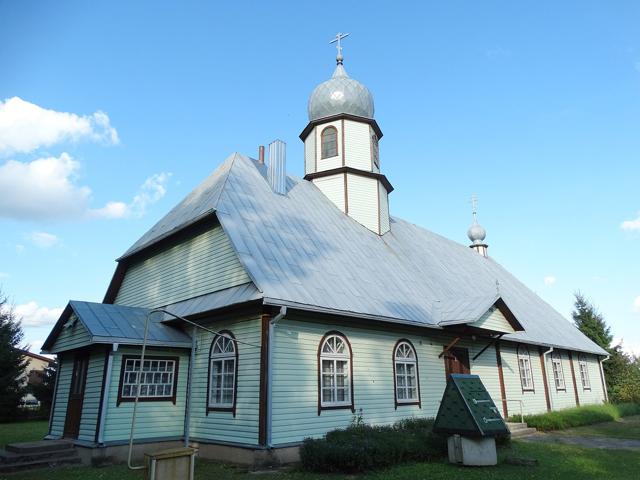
x=393 y=362
x=583 y=358
x=533 y=382
x=322 y=133
x=318 y=361
x=564 y=380
x=231 y=409
x=172 y=398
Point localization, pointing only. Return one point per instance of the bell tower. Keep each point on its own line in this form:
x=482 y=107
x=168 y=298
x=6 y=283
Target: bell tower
x=341 y=148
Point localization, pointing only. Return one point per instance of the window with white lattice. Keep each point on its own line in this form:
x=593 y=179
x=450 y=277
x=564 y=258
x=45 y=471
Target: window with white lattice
x=584 y=372
x=156 y=378
x=524 y=366
x=405 y=366
x=335 y=372
x=558 y=372
x=223 y=372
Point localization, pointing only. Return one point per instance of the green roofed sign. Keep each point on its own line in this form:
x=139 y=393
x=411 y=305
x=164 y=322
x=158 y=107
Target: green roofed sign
x=467 y=409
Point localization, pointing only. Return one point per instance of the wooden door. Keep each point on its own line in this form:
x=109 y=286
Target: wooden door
x=76 y=396
x=456 y=360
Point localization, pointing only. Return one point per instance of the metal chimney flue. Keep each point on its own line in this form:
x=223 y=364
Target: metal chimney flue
x=261 y=154
x=277 y=173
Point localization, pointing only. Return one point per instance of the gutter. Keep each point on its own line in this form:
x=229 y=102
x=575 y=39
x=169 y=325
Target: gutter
x=544 y=356
x=187 y=415
x=270 y=346
x=105 y=396
x=604 y=381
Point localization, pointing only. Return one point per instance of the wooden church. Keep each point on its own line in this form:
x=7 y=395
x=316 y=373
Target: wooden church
x=275 y=308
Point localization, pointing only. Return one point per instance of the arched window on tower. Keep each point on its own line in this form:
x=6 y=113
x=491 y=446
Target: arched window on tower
x=524 y=365
x=375 y=151
x=329 y=142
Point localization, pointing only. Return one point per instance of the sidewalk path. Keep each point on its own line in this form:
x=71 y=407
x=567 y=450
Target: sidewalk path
x=591 y=442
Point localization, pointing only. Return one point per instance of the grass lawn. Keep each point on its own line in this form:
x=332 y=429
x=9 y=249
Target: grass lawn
x=22 y=431
x=626 y=427
x=555 y=462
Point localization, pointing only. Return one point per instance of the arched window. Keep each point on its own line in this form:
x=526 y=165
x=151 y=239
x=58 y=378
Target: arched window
x=335 y=375
x=375 y=150
x=405 y=372
x=558 y=372
x=584 y=372
x=329 y=142
x=524 y=365
x=223 y=373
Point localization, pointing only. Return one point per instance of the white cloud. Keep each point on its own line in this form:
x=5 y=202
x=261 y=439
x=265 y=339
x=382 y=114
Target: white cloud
x=19 y=248
x=629 y=346
x=4 y=275
x=33 y=315
x=25 y=127
x=549 y=280
x=631 y=225
x=152 y=190
x=43 y=239
x=636 y=304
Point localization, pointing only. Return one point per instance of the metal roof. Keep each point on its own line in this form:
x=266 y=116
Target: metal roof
x=300 y=249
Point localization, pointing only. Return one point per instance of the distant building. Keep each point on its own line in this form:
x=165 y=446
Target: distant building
x=32 y=375
x=317 y=303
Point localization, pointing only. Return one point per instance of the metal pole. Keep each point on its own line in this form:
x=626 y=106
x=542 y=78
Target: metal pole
x=187 y=417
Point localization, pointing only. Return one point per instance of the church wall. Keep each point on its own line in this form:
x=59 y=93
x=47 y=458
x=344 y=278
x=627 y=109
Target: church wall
x=561 y=398
x=363 y=200
x=92 y=391
x=310 y=153
x=221 y=426
x=384 y=209
x=295 y=377
x=332 y=162
x=494 y=320
x=65 y=370
x=594 y=394
x=203 y=264
x=333 y=188
x=72 y=337
x=357 y=145
x=532 y=401
x=154 y=419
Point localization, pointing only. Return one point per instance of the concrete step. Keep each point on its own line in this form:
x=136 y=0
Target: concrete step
x=8 y=458
x=514 y=427
x=42 y=463
x=523 y=432
x=42 y=446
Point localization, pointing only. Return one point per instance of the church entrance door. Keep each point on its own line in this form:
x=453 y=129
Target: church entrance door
x=76 y=396
x=456 y=360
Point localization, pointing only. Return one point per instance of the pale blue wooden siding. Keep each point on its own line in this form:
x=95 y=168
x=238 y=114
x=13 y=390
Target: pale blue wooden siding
x=222 y=426
x=92 y=391
x=532 y=401
x=595 y=394
x=69 y=338
x=153 y=419
x=295 y=382
x=493 y=319
x=203 y=264
x=561 y=398
x=59 y=413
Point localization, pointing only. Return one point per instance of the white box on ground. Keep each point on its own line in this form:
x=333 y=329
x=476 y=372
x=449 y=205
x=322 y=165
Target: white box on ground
x=472 y=451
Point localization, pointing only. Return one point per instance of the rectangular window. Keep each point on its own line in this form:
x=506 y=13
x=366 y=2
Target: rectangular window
x=584 y=375
x=335 y=383
x=157 y=379
x=525 y=373
x=406 y=382
x=222 y=383
x=558 y=374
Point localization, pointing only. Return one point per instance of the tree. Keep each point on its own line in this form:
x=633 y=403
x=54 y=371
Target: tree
x=621 y=371
x=590 y=322
x=12 y=362
x=43 y=389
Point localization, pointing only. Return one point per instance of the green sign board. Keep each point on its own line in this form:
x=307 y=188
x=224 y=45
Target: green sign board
x=467 y=409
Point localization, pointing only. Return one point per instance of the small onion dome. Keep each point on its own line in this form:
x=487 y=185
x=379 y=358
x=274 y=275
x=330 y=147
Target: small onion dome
x=476 y=233
x=340 y=94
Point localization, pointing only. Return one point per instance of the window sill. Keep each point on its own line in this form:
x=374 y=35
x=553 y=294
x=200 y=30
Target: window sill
x=231 y=409
x=171 y=399
x=401 y=403
x=346 y=406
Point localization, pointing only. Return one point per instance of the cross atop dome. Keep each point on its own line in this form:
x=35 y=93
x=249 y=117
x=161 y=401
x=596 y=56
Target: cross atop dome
x=338 y=40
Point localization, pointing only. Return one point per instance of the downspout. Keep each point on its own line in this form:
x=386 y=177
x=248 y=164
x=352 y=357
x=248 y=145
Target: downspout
x=272 y=340
x=604 y=381
x=187 y=414
x=544 y=356
x=105 y=397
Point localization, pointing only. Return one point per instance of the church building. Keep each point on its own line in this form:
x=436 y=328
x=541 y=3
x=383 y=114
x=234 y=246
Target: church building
x=270 y=308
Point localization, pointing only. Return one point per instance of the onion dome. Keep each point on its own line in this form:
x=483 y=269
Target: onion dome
x=338 y=95
x=476 y=233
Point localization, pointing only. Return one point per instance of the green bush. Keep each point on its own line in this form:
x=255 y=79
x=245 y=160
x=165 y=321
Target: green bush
x=363 y=447
x=578 y=416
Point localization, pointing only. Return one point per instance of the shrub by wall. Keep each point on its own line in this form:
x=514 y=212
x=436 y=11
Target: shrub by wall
x=587 y=415
x=363 y=447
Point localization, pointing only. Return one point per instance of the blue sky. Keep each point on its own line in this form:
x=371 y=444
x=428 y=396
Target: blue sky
x=534 y=106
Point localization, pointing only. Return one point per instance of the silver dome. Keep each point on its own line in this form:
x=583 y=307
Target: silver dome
x=476 y=233
x=340 y=94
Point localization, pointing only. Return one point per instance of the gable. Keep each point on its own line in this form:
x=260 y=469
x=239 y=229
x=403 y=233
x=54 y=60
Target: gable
x=73 y=334
x=202 y=264
x=493 y=319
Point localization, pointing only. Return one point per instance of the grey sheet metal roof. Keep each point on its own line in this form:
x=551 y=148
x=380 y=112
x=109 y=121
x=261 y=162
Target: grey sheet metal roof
x=107 y=323
x=299 y=249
